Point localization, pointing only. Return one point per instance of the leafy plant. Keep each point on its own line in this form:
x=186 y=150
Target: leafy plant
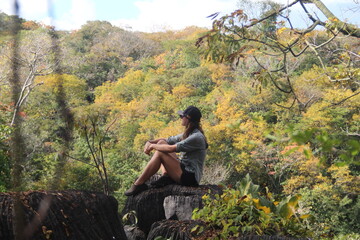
x=130 y=218
x=243 y=211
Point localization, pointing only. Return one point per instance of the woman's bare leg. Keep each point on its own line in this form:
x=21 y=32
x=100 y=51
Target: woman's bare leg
x=162 y=169
x=169 y=163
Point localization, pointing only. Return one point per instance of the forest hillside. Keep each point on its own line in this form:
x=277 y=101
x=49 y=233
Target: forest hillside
x=295 y=132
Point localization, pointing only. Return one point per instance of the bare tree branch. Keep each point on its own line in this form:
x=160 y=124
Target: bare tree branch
x=81 y=161
x=343 y=100
x=335 y=23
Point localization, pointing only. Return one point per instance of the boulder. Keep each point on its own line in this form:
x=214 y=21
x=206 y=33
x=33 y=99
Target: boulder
x=62 y=215
x=169 y=202
x=183 y=230
x=176 y=230
x=134 y=233
x=166 y=212
x=181 y=207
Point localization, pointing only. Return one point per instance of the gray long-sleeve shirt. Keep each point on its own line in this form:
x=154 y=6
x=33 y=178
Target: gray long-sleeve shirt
x=192 y=151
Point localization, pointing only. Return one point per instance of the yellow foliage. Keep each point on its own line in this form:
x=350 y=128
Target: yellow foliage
x=104 y=93
x=219 y=72
x=69 y=82
x=309 y=172
x=226 y=110
x=132 y=77
x=280 y=30
x=173 y=128
x=310 y=167
x=315 y=117
x=135 y=109
x=356 y=117
x=286 y=37
x=343 y=179
x=337 y=95
x=252 y=134
x=149 y=129
x=267 y=210
x=160 y=59
x=243 y=161
x=182 y=91
x=169 y=104
x=321 y=114
x=74 y=87
x=217 y=134
x=293 y=184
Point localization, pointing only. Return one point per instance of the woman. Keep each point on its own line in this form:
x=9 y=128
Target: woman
x=185 y=170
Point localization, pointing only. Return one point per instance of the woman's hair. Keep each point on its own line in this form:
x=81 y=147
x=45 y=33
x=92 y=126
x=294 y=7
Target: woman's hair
x=191 y=127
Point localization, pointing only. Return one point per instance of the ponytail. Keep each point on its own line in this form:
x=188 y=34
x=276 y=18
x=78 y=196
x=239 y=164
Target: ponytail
x=191 y=127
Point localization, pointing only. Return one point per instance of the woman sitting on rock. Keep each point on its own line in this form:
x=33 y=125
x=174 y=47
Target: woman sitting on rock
x=185 y=170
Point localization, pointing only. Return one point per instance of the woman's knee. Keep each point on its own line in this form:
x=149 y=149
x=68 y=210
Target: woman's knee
x=162 y=142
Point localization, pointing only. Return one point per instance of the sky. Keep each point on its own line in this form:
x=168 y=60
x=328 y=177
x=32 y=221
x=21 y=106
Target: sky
x=145 y=15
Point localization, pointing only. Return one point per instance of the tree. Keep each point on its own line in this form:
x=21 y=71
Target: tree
x=239 y=38
x=102 y=51
x=35 y=58
x=92 y=128
x=7 y=22
x=44 y=129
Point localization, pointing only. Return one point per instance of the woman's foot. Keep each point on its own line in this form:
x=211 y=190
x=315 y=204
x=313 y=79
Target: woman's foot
x=135 y=189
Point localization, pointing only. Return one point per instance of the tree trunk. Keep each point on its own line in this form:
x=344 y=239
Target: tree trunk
x=345 y=28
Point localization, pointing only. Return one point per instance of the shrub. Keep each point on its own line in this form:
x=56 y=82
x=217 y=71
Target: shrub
x=243 y=211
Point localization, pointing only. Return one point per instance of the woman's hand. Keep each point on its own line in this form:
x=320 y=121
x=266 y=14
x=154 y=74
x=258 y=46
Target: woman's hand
x=153 y=145
x=147 y=149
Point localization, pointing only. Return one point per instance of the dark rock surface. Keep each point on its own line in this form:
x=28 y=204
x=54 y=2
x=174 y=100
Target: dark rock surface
x=63 y=215
x=182 y=230
x=166 y=212
x=134 y=233
x=181 y=207
x=149 y=205
x=173 y=229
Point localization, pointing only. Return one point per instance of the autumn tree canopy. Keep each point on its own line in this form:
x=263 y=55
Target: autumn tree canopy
x=278 y=48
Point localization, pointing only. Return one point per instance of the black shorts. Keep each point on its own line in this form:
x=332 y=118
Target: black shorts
x=187 y=178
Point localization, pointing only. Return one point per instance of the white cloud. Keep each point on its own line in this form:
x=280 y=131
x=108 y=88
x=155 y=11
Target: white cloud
x=81 y=11
x=324 y=1
x=6 y=7
x=158 y=15
x=154 y=15
x=28 y=9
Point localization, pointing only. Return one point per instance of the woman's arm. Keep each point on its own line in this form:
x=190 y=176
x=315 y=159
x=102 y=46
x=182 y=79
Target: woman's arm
x=148 y=143
x=162 y=147
x=155 y=141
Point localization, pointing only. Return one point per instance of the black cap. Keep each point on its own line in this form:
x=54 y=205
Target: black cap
x=192 y=112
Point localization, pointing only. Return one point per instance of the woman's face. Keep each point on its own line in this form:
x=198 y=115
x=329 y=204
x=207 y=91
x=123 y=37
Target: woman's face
x=184 y=121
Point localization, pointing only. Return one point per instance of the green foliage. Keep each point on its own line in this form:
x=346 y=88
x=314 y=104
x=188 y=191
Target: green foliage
x=4 y=171
x=351 y=236
x=5 y=167
x=161 y=238
x=100 y=72
x=130 y=219
x=334 y=212
x=7 y=22
x=331 y=148
x=243 y=211
x=125 y=87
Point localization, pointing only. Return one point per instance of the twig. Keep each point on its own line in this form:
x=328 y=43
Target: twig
x=80 y=160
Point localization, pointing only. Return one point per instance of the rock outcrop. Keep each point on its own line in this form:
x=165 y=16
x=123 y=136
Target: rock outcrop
x=62 y=215
x=171 y=202
x=182 y=230
x=167 y=211
x=174 y=230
